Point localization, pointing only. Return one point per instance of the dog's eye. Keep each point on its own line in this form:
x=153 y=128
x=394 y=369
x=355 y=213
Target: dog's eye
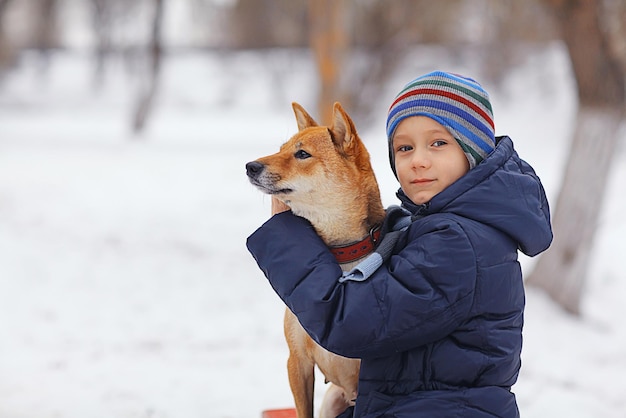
x=302 y=155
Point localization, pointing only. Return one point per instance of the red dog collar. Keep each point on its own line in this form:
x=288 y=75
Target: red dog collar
x=356 y=250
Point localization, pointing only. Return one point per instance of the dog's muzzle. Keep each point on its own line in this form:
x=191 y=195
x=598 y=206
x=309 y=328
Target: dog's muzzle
x=265 y=182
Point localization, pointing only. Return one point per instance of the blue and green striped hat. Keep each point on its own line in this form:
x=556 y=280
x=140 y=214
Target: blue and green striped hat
x=458 y=103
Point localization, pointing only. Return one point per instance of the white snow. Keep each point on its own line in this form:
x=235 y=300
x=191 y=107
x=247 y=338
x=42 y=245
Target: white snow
x=126 y=289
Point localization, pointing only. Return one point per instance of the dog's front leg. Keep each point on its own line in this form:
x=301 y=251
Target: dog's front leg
x=301 y=373
x=300 y=365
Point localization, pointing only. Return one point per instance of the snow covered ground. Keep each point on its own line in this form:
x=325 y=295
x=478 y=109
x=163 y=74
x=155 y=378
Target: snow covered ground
x=125 y=286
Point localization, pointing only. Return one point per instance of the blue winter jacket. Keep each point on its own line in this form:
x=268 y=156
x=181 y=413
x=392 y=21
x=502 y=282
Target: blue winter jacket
x=438 y=327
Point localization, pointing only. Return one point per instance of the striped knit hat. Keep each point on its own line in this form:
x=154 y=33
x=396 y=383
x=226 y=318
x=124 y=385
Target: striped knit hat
x=458 y=103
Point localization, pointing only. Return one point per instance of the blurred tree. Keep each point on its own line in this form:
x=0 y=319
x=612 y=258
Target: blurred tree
x=45 y=33
x=562 y=270
x=3 y=5
x=269 y=23
x=149 y=84
x=329 y=40
x=7 y=53
x=615 y=26
x=112 y=21
x=102 y=24
x=43 y=28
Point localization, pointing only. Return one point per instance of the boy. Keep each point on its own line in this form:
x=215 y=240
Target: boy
x=438 y=327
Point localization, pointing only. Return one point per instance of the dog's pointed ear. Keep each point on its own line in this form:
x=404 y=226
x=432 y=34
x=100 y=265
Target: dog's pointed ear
x=342 y=129
x=302 y=117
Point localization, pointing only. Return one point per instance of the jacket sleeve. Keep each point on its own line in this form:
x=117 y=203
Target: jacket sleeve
x=422 y=294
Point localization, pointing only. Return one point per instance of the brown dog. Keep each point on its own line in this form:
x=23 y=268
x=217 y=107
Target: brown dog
x=323 y=173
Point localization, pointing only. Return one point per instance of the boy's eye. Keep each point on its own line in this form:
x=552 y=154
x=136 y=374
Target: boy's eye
x=404 y=148
x=439 y=143
x=302 y=155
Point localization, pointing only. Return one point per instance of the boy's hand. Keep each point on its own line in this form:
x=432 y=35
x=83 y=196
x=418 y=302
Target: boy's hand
x=278 y=206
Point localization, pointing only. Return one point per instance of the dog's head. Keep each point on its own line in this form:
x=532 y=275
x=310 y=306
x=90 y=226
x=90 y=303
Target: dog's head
x=319 y=167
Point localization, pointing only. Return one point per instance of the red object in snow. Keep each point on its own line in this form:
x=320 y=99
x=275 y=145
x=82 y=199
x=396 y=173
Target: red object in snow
x=279 y=413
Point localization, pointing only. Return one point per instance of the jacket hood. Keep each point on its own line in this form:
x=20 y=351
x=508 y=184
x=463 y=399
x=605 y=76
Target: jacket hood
x=503 y=192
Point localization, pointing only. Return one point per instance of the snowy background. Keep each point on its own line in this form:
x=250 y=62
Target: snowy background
x=125 y=286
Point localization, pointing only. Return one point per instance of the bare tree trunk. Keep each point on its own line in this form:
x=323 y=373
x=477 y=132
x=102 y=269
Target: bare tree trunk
x=6 y=49
x=562 y=270
x=149 y=87
x=329 y=42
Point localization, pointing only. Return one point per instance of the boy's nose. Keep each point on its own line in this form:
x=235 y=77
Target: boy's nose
x=420 y=159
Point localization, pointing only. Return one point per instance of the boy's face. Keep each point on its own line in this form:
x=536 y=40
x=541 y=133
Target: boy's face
x=428 y=158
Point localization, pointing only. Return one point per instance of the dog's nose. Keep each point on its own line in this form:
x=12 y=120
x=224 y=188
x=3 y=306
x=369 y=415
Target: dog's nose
x=254 y=168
